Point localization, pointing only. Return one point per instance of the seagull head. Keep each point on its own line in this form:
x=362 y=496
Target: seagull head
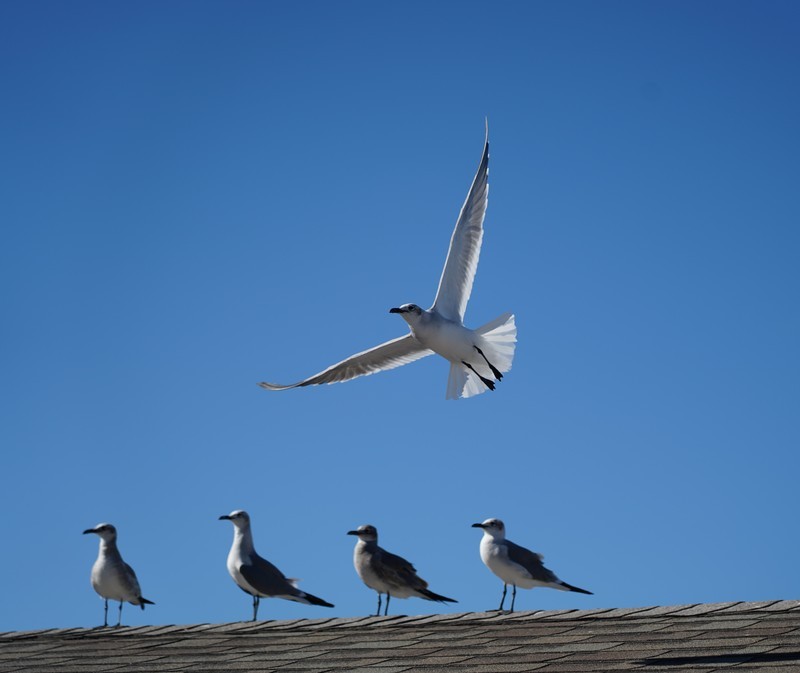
x=492 y=527
x=366 y=533
x=411 y=313
x=104 y=530
x=238 y=518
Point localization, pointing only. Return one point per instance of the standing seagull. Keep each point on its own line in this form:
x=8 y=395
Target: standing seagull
x=255 y=575
x=516 y=565
x=386 y=573
x=478 y=358
x=112 y=578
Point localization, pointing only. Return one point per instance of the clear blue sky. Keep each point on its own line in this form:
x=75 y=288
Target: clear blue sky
x=199 y=196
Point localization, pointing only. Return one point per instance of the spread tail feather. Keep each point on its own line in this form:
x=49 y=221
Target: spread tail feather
x=463 y=383
x=498 y=340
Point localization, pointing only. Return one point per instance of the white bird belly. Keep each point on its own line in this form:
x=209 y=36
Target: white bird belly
x=452 y=341
x=111 y=582
x=361 y=561
x=234 y=563
x=496 y=559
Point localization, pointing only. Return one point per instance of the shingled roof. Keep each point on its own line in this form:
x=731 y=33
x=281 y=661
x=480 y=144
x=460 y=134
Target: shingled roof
x=761 y=636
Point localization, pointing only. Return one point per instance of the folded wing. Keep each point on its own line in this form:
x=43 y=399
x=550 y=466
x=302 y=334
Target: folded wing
x=531 y=562
x=396 y=571
x=389 y=355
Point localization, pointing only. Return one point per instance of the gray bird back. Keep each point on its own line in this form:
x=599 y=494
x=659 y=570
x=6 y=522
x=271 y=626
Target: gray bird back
x=395 y=570
x=266 y=578
x=531 y=561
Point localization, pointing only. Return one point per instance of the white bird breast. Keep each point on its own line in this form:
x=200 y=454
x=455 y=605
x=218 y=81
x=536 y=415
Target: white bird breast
x=496 y=559
x=450 y=340
x=108 y=581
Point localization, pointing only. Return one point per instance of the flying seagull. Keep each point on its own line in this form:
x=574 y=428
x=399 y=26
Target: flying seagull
x=478 y=358
x=257 y=576
x=387 y=573
x=516 y=565
x=112 y=578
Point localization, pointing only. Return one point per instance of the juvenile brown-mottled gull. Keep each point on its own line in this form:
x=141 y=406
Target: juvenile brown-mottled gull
x=112 y=578
x=388 y=573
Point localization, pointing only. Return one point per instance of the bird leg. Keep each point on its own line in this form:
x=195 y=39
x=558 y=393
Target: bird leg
x=386 y=611
x=489 y=383
x=105 y=613
x=513 y=597
x=256 y=601
x=497 y=374
x=119 y=621
x=378 y=613
x=503 y=599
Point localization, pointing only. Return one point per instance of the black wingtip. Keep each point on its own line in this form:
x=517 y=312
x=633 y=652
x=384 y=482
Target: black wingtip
x=316 y=600
x=577 y=590
x=436 y=597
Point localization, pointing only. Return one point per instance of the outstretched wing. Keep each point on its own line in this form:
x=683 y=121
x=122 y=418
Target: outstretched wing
x=388 y=355
x=455 y=285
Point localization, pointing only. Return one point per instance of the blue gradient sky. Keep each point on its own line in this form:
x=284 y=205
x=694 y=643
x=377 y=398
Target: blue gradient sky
x=198 y=196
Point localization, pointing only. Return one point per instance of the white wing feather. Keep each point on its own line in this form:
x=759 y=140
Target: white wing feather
x=455 y=285
x=389 y=355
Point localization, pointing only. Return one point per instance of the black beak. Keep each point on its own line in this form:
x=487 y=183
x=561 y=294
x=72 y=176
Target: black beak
x=477 y=525
x=225 y=517
x=396 y=310
x=88 y=530
x=354 y=532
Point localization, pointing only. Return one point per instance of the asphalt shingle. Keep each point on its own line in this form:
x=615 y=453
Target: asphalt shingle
x=741 y=637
